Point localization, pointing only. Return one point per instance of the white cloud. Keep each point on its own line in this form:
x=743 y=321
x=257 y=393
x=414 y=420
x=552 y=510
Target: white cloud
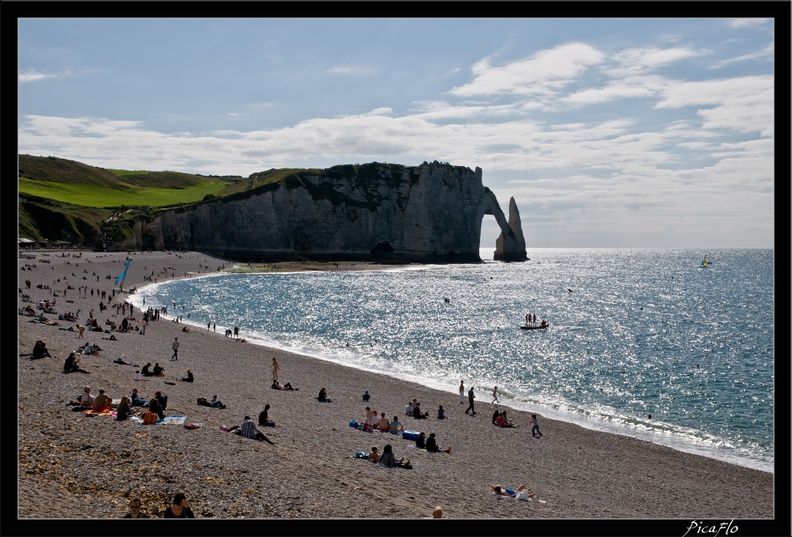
x=747 y=23
x=31 y=75
x=609 y=93
x=765 y=54
x=545 y=71
x=742 y=104
x=348 y=70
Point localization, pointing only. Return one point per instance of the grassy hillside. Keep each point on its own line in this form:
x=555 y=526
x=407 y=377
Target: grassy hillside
x=67 y=181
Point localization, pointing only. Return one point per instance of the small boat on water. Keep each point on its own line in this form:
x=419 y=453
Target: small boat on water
x=535 y=326
x=705 y=262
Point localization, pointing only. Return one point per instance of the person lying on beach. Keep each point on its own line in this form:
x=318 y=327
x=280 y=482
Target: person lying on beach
x=249 y=430
x=431 y=445
x=111 y=337
x=29 y=311
x=278 y=386
x=322 y=397
x=136 y=400
x=44 y=320
x=520 y=493
x=263 y=418
x=389 y=460
x=120 y=360
x=89 y=348
x=40 y=350
x=214 y=402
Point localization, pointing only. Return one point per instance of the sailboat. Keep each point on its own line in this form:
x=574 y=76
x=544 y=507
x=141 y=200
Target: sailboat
x=705 y=262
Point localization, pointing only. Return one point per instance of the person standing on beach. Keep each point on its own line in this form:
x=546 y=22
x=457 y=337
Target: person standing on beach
x=275 y=369
x=236 y=332
x=471 y=397
x=461 y=392
x=535 y=426
x=175 y=347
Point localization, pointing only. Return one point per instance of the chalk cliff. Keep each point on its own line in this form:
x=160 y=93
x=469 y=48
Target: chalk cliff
x=427 y=213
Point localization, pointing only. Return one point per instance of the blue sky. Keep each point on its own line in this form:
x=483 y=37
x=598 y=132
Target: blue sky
x=607 y=132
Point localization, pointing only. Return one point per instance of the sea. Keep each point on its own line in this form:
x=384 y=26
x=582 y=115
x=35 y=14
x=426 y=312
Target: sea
x=640 y=342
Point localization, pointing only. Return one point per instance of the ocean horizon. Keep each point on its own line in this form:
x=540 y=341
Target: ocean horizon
x=641 y=342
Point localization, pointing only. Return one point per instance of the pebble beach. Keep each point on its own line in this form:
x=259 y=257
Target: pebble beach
x=76 y=470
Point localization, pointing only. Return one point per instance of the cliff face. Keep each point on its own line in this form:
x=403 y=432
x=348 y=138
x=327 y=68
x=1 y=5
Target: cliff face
x=427 y=213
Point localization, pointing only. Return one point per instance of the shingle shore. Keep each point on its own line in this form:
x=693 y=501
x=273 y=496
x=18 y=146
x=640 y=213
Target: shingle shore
x=72 y=466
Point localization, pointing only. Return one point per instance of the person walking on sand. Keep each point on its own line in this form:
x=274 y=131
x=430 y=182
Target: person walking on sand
x=471 y=397
x=81 y=330
x=535 y=426
x=495 y=395
x=461 y=392
x=175 y=348
x=275 y=369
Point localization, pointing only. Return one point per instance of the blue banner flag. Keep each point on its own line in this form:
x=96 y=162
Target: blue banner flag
x=122 y=276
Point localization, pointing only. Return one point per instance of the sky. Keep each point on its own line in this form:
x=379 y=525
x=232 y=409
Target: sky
x=608 y=133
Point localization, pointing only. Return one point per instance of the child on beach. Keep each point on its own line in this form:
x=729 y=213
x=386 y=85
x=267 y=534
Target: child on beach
x=275 y=369
x=535 y=425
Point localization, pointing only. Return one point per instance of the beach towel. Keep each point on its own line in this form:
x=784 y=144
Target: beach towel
x=172 y=420
x=410 y=435
x=103 y=412
x=167 y=420
x=360 y=455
